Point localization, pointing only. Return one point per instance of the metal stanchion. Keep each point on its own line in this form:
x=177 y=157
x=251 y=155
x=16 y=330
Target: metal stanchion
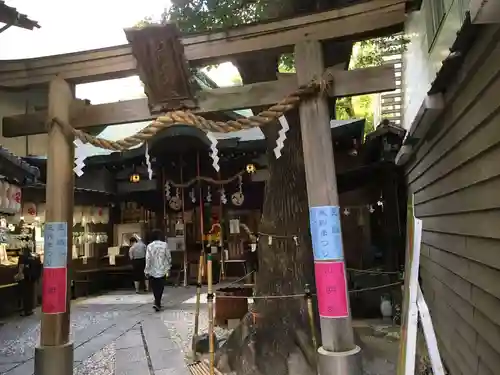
x=310 y=313
x=197 y=311
x=210 y=300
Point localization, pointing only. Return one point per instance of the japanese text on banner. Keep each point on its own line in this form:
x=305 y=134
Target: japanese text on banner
x=326 y=233
x=55 y=245
x=331 y=286
x=54 y=290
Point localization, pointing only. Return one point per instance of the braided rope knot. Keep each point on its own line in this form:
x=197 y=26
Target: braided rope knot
x=179 y=117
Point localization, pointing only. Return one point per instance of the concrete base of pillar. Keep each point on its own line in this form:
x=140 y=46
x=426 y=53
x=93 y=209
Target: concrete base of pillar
x=340 y=363
x=54 y=360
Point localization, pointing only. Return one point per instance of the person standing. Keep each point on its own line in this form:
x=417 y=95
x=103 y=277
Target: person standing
x=158 y=263
x=137 y=254
x=29 y=271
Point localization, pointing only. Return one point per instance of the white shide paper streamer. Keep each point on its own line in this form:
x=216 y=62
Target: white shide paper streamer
x=280 y=142
x=215 y=152
x=148 y=163
x=82 y=152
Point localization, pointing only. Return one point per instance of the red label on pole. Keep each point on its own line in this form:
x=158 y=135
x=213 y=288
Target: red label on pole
x=54 y=290
x=331 y=286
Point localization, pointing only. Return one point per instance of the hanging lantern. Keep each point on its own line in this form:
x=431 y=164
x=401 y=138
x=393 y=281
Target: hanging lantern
x=251 y=168
x=86 y=215
x=2 y=194
x=41 y=212
x=29 y=212
x=6 y=195
x=15 y=198
x=135 y=178
x=77 y=215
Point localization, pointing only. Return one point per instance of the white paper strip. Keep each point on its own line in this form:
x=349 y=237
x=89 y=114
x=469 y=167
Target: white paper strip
x=280 y=142
x=82 y=151
x=215 y=152
x=430 y=335
x=148 y=163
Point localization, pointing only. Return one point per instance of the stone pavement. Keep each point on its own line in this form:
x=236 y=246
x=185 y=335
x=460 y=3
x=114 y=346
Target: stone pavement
x=116 y=333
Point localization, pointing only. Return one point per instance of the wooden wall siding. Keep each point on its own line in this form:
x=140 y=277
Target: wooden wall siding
x=455 y=178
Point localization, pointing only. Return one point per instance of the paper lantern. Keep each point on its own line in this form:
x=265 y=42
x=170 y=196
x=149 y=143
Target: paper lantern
x=105 y=215
x=41 y=212
x=6 y=195
x=77 y=215
x=15 y=198
x=2 y=194
x=86 y=215
x=29 y=212
x=98 y=215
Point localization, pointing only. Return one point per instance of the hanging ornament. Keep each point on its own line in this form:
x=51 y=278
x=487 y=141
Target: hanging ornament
x=269 y=240
x=176 y=202
x=214 y=153
x=209 y=194
x=380 y=204
x=223 y=197
x=238 y=198
x=280 y=142
x=371 y=209
x=296 y=240
x=347 y=212
x=167 y=191
x=192 y=195
x=251 y=168
x=148 y=163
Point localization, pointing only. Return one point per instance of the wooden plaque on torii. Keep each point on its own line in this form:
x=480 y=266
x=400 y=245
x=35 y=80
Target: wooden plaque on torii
x=162 y=67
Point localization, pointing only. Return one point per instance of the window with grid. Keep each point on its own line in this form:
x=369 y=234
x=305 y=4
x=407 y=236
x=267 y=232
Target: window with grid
x=435 y=12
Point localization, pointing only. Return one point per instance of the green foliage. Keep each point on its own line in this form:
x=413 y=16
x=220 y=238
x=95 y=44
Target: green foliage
x=205 y=15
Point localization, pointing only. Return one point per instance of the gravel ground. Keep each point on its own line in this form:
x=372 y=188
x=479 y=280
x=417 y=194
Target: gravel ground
x=180 y=323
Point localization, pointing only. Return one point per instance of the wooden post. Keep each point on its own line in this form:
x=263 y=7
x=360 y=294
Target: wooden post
x=185 y=255
x=201 y=265
x=339 y=355
x=54 y=356
x=210 y=302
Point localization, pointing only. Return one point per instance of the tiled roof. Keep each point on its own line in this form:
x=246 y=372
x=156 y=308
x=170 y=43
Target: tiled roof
x=28 y=169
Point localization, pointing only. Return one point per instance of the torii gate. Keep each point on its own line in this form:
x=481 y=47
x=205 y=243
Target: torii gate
x=67 y=118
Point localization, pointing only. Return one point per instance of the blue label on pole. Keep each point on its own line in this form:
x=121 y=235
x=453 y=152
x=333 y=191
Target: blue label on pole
x=326 y=233
x=55 y=245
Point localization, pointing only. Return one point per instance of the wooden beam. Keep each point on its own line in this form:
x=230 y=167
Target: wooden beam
x=116 y=62
x=347 y=83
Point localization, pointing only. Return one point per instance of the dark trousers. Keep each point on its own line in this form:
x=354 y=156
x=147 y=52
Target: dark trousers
x=28 y=294
x=157 y=285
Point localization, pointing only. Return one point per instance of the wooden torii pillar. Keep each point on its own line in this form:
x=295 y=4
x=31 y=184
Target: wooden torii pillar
x=339 y=355
x=54 y=355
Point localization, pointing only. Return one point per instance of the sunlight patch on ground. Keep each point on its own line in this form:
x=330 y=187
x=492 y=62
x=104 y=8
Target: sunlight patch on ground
x=203 y=300
x=132 y=299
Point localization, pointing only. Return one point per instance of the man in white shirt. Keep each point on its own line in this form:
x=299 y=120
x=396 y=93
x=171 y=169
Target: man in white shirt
x=158 y=263
x=137 y=254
